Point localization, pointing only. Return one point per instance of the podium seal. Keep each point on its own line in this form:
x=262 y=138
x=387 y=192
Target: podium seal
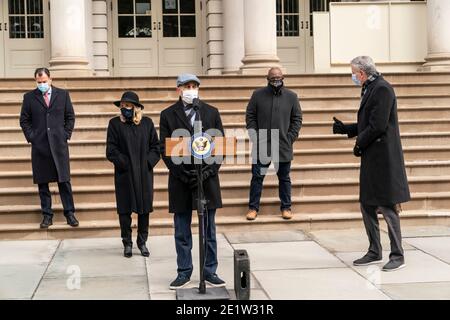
x=202 y=145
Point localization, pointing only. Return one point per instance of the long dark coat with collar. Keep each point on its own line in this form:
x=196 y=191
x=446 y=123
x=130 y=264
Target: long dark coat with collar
x=383 y=178
x=134 y=151
x=48 y=129
x=181 y=198
x=268 y=111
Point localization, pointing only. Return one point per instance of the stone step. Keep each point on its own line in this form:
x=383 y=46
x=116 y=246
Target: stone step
x=164 y=226
x=239 y=103
x=230 y=190
x=256 y=80
x=350 y=114
x=322 y=141
x=242 y=90
x=84 y=119
x=20 y=163
x=236 y=207
x=299 y=172
x=85 y=159
x=12 y=137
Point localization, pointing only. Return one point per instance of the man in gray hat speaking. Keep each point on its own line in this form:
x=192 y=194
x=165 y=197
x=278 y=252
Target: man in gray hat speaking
x=183 y=180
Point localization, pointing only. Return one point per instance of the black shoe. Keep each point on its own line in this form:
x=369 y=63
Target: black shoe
x=214 y=281
x=47 y=221
x=128 y=251
x=393 y=265
x=179 y=282
x=72 y=221
x=144 y=250
x=366 y=260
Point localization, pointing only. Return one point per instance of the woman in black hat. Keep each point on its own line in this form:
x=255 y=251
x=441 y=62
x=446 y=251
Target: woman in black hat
x=132 y=145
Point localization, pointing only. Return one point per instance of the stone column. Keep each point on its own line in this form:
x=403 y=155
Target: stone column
x=438 y=26
x=260 y=37
x=68 y=21
x=233 y=36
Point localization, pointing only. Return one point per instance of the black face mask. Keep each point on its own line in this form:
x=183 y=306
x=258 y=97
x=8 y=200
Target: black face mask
x=276 y=85
x=127 y=114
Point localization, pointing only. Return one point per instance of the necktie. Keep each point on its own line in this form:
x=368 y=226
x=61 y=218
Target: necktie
x=47 y=100
x=191 y=114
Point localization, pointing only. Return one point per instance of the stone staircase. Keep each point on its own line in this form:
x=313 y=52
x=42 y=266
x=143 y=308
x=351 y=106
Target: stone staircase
x=324 y=171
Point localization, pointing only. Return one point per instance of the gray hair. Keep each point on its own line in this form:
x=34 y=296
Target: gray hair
x=366 y=64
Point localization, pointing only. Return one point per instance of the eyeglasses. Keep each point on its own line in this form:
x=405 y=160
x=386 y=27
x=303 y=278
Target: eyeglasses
x=275 y=78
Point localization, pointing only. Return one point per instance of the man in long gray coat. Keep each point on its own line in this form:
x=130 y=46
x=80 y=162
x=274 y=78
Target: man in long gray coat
x=383 y=181
x=47 y=120
x=274 y=119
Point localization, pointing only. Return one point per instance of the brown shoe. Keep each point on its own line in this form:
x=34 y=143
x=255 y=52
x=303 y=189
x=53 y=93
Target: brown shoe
x=287 y=214
x=251 y=214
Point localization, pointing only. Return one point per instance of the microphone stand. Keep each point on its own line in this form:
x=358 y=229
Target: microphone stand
x=202 y=210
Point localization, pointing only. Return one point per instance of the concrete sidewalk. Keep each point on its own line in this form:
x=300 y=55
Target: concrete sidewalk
x=284 y=265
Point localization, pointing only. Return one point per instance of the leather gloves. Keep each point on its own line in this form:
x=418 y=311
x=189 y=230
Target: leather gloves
x=183 y=177
x=207 y=171
x=357 y=151
x=339 y=127
x=193 y=183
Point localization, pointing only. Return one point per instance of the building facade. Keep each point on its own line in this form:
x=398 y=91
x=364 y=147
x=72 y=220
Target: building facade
x=166 y=37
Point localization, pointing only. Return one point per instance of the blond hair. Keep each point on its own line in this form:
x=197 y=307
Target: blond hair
x=137 y=115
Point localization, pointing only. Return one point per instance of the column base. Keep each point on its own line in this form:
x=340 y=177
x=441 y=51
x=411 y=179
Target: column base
x=73 y=67
x=231 y=71
x=436 y=63
x=256 y=65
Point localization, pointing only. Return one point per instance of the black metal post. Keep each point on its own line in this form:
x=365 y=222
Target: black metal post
x=201 y=225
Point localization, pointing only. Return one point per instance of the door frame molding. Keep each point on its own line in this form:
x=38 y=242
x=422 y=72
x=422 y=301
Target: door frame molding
x=110 y=37
x=2 y=43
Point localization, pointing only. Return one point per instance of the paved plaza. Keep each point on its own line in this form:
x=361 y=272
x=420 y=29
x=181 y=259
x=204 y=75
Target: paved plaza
x=284 y=265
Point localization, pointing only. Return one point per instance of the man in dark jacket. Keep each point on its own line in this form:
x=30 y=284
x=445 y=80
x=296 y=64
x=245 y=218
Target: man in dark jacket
x=47 y=120
x=183 y=183
x=383 y=181
x=274 y=119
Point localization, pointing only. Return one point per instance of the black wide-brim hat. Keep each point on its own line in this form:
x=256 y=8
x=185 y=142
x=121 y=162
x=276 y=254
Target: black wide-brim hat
x=129 y=96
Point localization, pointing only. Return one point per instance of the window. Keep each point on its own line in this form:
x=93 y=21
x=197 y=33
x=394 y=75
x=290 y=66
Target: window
x=135 y=18
x=178 y=18
x=26 y=19
x=287 y=18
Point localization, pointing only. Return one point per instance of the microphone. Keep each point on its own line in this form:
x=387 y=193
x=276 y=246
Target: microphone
x=196 y=104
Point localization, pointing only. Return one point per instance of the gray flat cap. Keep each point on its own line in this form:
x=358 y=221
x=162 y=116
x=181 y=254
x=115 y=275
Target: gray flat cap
x=187 y=77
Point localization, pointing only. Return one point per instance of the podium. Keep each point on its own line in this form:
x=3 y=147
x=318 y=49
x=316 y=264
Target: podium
x=201 y=146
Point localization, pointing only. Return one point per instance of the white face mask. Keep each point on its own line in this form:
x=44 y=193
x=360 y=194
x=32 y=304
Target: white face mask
x=188 y=96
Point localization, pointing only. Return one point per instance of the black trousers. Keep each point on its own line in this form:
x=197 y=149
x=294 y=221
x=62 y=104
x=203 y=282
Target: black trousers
x=125 y=228
x=65 y=192
x=371 y=224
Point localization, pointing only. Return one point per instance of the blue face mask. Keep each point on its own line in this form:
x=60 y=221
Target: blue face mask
x=127 y=113
x=356 y=80
x=43 y=87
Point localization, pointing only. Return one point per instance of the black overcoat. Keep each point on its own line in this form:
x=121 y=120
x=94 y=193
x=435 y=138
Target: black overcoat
x=48 y=129
x=383 y=178
x=181 y=198
x=268 y=111
x=134 y=151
